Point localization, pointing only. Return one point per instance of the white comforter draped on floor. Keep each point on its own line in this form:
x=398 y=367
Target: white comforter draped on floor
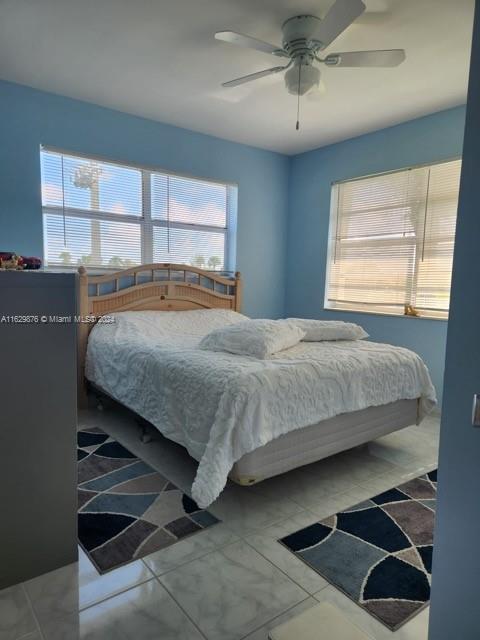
x=221 y=406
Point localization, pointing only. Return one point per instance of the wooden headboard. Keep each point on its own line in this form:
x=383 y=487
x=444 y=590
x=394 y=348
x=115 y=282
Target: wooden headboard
x=160 y=286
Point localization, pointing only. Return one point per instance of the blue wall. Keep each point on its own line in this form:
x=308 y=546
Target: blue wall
x=283 y=207
x=429 y=139
x=29 y=118
x=455 y=612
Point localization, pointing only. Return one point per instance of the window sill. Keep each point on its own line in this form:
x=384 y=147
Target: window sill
x=384 y=314
x=99 y=271
x=92 y=271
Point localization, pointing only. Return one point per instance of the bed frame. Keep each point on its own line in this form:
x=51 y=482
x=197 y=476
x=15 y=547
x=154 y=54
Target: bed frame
x=179 y=287
x=157 y=286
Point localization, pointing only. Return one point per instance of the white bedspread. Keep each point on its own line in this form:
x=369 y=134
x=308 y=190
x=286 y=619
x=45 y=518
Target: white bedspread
x=221 y=406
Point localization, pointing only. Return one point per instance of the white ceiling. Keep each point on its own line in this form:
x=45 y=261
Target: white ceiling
x=158 y=59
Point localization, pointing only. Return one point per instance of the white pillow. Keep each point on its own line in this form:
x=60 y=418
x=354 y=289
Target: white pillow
x=319 y=330
x=256 y=338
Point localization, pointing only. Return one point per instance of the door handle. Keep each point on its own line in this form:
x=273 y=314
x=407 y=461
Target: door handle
x=476 y=410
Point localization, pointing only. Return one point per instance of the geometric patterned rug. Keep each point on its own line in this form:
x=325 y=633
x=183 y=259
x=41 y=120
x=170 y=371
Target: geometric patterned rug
x=379 y=552
x=126 y=508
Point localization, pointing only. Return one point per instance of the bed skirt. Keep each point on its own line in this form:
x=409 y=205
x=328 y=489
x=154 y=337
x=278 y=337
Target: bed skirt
x=307 y=445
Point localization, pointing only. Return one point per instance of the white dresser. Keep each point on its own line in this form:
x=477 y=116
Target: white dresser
x=38 y=473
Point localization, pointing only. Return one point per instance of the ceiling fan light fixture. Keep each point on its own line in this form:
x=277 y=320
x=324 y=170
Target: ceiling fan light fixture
x=309 y=78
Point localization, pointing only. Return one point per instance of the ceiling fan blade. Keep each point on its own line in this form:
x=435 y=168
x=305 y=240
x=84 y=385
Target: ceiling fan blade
x=253 y=76
x=242 y=40
x=386 y=58
x=340 y=16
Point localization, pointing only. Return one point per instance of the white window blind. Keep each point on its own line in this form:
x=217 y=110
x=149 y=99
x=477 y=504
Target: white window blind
x=391 y=241
x=105 y=215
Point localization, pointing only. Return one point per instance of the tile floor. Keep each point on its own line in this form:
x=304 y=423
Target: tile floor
x=230 y=582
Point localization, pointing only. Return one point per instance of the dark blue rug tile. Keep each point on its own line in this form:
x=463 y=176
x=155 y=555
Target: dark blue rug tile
x=87 y=439
x=94 y=529
x=307 y=537
x=394 y=495
x=374 y=526
x=426 y=554
x=397 y=580
x=113 y=450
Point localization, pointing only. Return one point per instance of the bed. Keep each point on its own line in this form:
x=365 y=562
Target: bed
x=246 y=418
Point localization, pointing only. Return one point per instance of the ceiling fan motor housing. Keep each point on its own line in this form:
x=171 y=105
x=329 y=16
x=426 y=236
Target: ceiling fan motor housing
x=298 y=36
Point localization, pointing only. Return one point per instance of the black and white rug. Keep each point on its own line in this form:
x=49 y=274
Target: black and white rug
x=127 y=509
x=379 y=552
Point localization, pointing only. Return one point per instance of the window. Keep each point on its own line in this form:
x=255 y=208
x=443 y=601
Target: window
x=109 y=216
x=391 y=242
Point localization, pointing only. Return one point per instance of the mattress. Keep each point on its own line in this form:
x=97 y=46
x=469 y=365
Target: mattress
x=323 y=439
x=221 y=406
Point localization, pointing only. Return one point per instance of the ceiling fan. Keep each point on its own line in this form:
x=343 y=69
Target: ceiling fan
x=303 y=38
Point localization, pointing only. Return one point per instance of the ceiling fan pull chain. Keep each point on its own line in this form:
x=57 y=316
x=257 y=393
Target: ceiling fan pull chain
x=297 y=126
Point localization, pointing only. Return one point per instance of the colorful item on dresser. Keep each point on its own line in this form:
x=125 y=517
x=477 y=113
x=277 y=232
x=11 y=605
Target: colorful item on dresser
x=11 y=260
